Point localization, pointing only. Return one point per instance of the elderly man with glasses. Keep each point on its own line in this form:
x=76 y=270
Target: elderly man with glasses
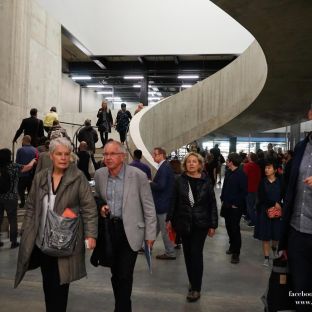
x=126 y=199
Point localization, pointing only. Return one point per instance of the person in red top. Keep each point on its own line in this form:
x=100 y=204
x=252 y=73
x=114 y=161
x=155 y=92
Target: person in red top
x=253 y=172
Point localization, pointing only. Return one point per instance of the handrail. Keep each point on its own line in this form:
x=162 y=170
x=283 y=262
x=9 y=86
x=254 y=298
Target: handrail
x=75 y=137
x=70 y=123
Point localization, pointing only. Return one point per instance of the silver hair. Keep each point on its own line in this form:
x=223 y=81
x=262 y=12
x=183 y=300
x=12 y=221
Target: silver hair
x=121 y=147
x=60 y=141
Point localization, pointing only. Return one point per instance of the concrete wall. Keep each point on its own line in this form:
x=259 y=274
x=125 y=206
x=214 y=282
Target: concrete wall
x=30 y=62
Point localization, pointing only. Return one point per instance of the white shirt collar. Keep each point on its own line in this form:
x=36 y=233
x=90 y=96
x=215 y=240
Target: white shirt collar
x=161 y=163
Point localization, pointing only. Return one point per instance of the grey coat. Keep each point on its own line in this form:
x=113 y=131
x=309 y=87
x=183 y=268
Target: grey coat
x=74 y=191
x=138 y=210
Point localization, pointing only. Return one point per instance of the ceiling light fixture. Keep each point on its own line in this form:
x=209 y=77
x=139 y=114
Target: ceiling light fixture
x=137 y=86
x=104 y=92
x=133 y=77
x=188 y=77
x=151 y=98
x=186 y=86
x=81 y=77
x=117 y=98
x=95 y=86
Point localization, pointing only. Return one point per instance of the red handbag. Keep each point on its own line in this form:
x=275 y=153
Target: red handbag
x=274 y=212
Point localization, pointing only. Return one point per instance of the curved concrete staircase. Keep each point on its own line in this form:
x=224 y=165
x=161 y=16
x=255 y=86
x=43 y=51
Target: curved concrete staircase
x=199 y=110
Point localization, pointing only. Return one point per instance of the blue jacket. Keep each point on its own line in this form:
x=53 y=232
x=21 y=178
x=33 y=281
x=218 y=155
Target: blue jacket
x=291 y=191
x=235 y=188
x=24 y=155
x=162 y=188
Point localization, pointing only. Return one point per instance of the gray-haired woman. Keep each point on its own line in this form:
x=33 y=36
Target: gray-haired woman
x=63 y=188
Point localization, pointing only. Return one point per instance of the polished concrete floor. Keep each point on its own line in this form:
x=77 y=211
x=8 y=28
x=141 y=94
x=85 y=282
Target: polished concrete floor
x=226 y=287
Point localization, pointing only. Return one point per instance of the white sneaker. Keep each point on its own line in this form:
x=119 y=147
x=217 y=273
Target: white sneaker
x=266 y=263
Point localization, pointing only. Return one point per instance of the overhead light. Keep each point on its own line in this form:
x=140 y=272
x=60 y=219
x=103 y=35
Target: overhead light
x=133 y=77
x=136 y=86
x=100 y=64
x=104 y=92
x=154 y=98
x=186 y=86
x=95 y=86
x=117 y=98
x=81 y=77
x=188 y=77
x=151 y=92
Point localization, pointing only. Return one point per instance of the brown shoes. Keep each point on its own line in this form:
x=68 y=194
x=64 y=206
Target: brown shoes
x=193 y=296
x=165 y=257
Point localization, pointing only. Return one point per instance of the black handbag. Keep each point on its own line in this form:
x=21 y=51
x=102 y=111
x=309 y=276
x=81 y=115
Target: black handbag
x=60 y=235
x=103 y=252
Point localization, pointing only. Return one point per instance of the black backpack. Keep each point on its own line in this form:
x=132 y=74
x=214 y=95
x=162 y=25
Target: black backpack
x=5 y=180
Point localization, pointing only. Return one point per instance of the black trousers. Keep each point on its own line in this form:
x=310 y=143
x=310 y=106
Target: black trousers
x=193 y=245
x=23 y=184
x=55 y=295
x=122 y=135
x=10 y=206
x=232 y=218
x=122 y=268
x=300 y=265
x=104 y=137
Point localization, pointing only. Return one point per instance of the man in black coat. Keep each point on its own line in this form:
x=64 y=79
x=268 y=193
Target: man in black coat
x=296 y=236
x=233 y=195
x=89 y=135
x=31 y=126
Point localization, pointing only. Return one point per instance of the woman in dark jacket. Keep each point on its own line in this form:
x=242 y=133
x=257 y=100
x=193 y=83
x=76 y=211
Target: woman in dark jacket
x=193 y=216
x=269 y=195
x=9 y=172
x=104 y=122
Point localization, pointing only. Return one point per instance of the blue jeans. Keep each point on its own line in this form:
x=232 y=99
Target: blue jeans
x=251 y=207
x=161 y=227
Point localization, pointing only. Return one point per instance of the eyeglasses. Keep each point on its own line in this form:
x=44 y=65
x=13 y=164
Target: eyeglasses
x=106 y=155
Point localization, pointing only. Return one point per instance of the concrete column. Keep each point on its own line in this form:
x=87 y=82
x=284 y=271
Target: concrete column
x=30 y=62
x=294 y=135
x=233 y=141
x=144 y=91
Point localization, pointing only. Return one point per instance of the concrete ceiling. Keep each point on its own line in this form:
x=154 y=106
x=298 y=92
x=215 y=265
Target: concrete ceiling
x=283 y=28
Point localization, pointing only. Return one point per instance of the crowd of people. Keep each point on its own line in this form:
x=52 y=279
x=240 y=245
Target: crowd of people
x=271 y=190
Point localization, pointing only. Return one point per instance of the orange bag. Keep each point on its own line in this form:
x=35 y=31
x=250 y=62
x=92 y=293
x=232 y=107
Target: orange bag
x=171 y=233
x=69 y=213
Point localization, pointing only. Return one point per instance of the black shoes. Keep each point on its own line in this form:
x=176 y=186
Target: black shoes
x=14 y=245
x=235 y=258
x=165 y=257
x=229 y=252
x=193 y=296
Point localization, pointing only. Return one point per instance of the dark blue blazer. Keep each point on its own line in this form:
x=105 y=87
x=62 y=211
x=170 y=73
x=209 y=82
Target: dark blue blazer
x=162 y=188
x=291 y=191
x=235 y=188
